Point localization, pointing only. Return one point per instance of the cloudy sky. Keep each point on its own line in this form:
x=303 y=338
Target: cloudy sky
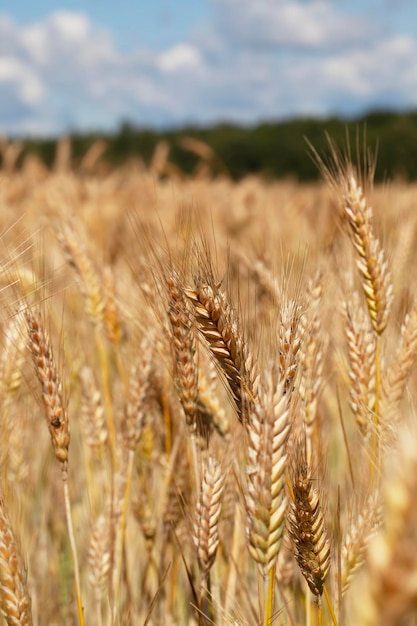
x=88 y=64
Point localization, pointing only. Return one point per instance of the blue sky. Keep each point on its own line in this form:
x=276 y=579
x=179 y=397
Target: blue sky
x=90 y=64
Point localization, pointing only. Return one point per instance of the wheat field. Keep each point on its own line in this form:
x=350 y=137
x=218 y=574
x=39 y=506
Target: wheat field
x=208 y=396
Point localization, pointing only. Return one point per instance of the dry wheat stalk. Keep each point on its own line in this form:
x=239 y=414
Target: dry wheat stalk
x=50 y=381
x=15 y=602
x=307 y=526
x=268 y=430
x=219 y=325
x=376 y=279
x=361 y=356
x=207 y=514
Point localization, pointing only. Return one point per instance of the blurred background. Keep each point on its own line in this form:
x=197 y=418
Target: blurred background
x=240 y=83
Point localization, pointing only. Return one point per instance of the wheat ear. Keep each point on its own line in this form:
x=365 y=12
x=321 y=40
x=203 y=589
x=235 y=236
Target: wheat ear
x=99 y=558
x=47 y=374
x=57 y=420
x=401 y=367
x=306 y=525
x=373 y=268
x=184 y=350
x=356 y=540
x=206 y=522
x=219 y=325
x=266 y=502
x=361 y=365
x=311 y=358
x=15 y=602
x=92 y=410
x=376 y=284
x=89 y=279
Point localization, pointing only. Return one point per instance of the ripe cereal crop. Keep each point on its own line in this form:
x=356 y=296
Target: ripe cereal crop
x=208 y=395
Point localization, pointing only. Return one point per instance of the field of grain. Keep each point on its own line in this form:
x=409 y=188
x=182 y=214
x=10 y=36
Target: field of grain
x=208 y=398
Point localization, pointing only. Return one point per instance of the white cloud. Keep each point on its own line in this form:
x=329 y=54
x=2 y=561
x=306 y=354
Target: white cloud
x=18 y=75
x=274 y=58
x=291 y=23
x=181 y=56
x=70 y=26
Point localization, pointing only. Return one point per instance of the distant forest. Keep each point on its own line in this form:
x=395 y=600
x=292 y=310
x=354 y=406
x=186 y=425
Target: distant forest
x=271 y=149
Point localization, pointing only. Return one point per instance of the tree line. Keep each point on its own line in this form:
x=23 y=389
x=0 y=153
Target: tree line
x=272 y=149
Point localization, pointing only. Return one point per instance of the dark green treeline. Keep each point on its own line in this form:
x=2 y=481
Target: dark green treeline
x=272 y=149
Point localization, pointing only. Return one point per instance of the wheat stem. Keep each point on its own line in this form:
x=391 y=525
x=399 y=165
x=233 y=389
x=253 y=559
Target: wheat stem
x=73 y=550
x=330 y=605
x=120 y=532
x=269 y=604
x=107 y=395
x=376 y=447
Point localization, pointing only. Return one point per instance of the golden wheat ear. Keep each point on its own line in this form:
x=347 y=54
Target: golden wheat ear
x=47 y=374
x=183 y=350
x=307 y=526
x=219 y=324
x=15 y=602
x=268 y=429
